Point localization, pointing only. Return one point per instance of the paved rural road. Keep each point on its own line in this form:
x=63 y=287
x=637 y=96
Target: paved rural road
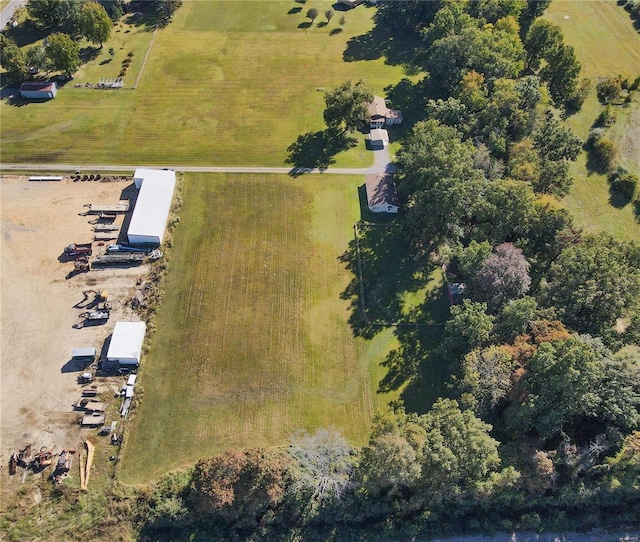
x=9 y=10
x=381 y=163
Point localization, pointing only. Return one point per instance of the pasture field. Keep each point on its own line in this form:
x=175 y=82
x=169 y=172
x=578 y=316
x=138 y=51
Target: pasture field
x=253 y=341
x=606 y=44
x=226 y=83
x=602 y=34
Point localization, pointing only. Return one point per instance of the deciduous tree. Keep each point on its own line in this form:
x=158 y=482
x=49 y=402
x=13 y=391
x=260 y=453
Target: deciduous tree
x=503 y=277
x=95 y=23
x=346 y=105
x=63 y=52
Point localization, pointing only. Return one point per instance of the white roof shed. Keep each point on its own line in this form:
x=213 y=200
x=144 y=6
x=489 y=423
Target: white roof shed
x=149 y=218
x=125 y=347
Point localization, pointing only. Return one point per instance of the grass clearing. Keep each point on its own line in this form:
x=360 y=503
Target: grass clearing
x=606 y=44
x=226 y=83
x=602 y=34
x=253 y=299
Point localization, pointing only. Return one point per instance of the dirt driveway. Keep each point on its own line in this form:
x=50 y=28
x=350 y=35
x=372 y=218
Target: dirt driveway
x=39 y=384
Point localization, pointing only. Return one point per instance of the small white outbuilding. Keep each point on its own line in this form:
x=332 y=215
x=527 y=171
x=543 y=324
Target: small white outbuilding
x=38 y=90
x=379 y=138
x=150 y=214
x=125 y=347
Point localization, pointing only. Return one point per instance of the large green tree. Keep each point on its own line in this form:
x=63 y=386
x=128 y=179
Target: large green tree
x=64 y=53
x=95 y=24
x=347 y=106
x=593 y=283
x=13 y=60
x=576 y=386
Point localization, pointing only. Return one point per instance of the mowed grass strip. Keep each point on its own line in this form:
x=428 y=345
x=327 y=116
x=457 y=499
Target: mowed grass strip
x=226 y=83
x=253 y=342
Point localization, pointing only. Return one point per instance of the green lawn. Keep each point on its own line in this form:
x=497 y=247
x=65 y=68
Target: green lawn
x=602 y=34
x=227 y=83
x=253 y=342
x=607 y=45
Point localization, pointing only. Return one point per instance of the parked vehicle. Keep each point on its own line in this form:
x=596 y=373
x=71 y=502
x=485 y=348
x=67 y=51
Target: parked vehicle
x=78 y=249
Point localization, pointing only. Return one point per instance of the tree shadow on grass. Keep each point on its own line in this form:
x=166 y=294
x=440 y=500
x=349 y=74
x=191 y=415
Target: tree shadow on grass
x=617 y=198
x=317 y=149
x=398 y=49
x=26 y=33
x=416 y=366
x=383 y=272
x=305 y=24
x=335 y=31
x=295 y=10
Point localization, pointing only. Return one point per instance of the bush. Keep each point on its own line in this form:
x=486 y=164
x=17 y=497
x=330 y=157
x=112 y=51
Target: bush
x=576 y=101
x=609 y=90
x=636 y=84
x=604 y=153
x=624 y=182
x=595 y=135
x=130 y=54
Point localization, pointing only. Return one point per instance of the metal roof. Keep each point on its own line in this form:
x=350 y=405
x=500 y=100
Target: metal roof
x=126 y=341
x=149 y=218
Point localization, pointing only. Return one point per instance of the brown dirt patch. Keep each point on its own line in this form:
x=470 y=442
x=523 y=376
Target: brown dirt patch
x=38 y=383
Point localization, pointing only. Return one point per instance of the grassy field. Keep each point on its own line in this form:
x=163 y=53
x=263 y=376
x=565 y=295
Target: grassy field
x=602 y=34
x=253 y=341
x=226 y=83
x=607 y=45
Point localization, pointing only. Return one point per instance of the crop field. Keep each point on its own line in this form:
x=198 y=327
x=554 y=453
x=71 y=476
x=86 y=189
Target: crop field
x=226 y=83
x=607 y=44
x=253 y=341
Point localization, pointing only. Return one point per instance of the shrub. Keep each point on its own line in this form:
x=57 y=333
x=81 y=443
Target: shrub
x=636 y=84
x=130 y=54
x=609 y=90
x=604 y=153
x=624 y=182
x=595 y=135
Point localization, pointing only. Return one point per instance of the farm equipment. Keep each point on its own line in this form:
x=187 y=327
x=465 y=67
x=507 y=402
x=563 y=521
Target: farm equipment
x=125 y=248
x=95 y=316
x=86 y=378
x=119 y=258
x=65 y=460
x=78 y=249
x=42 y=459
x=81 y=264
x=13 y=463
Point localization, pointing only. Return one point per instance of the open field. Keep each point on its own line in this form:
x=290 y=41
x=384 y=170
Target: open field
x=606 y=44
x=602 y=34
x=226 y=83
x=38 y=379
x=253 y=342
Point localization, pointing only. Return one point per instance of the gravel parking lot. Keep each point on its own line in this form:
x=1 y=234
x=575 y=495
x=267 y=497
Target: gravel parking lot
x=38 y=313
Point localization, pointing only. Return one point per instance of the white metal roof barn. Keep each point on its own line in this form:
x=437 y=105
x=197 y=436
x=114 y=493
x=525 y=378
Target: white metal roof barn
x=125 y=347
x=149 y=218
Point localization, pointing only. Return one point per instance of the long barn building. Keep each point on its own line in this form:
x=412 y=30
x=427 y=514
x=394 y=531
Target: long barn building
x=150 y=214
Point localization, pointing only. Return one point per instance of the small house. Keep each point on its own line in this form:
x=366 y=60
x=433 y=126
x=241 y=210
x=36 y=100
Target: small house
x=38 y=90
x=381 y=193
x=378 y=138
x=380 y=115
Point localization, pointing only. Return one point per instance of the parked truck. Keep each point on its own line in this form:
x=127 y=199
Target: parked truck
x=78 y=249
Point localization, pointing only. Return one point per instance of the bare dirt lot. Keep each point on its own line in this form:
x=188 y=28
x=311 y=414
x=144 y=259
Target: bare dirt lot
x=38 y=308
